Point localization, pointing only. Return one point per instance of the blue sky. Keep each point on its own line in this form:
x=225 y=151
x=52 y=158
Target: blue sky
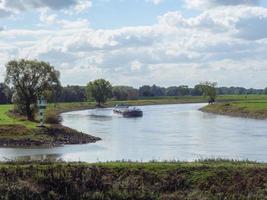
x=166 y=42
x=106 y=14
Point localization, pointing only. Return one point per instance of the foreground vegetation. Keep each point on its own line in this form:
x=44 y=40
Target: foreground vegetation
x=177 y=180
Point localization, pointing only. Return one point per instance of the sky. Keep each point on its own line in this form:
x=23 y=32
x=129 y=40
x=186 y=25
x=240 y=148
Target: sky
x=137 y=42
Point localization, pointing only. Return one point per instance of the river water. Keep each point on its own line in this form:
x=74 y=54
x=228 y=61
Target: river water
x=165 y=132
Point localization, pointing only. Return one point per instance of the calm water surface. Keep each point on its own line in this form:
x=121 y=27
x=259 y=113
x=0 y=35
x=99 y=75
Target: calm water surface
x=165 y=132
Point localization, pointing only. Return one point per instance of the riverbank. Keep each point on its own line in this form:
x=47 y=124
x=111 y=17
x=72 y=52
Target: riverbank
x=174 y=180
x=19 y=132
x=16 y=131
x=50 y=136
x=245 y=109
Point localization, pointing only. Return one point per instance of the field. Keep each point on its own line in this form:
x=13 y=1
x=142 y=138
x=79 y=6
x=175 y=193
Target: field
x=211 y=179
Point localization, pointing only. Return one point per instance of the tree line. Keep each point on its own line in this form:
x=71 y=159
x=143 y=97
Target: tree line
x=75 y=93
x=27 y=80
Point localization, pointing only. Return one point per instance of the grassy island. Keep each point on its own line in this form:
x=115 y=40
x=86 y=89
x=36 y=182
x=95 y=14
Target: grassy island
x=214 y=179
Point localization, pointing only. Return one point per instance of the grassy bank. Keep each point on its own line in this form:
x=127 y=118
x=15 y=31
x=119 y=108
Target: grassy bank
x=256 y=109
x=64 y=107
x=198 y=180
x=19 y=132
x=7 y=119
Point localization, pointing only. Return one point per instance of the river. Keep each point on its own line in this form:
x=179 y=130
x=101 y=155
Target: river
x=165 y=132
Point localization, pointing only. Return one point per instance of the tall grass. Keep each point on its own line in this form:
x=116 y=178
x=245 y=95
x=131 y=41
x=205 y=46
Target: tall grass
x=199 y=180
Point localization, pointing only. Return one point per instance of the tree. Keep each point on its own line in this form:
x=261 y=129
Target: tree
x=157 y=91
x=30 y=79
x=72 y=93
x=183 y=90
x=209 y=90
x=100 y=90
x=172 y=91
x=197 y=90
x=124 y=92
x=145 y=91
x=5 y=94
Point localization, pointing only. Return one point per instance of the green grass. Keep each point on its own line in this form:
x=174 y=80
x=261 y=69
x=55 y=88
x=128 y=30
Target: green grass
x=209 y=179
x=249 y=107
x=6 y=119
x=252 y=105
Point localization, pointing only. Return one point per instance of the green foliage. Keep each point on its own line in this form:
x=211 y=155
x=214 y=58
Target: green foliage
x=71 y=94
x=5 y=94
x=30 y=79
x=52 y=117
x=209 y=90
x=100 y=90
x=124 y=93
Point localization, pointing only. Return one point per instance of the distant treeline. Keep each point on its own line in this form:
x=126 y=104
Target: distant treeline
x=78 y=93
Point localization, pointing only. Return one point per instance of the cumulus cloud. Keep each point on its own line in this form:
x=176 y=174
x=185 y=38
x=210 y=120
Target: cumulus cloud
x=4 y=13
x=29 y=4
x=47 y=18
x=202 y=4
x=218 y=43
x=82 y=5
x=7 y=7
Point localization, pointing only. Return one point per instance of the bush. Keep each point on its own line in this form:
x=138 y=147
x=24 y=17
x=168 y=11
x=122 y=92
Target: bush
x=52 y=117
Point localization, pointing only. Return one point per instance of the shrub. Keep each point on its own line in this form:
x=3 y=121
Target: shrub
x=52 y=117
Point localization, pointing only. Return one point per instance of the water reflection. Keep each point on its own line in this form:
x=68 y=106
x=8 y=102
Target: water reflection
x=49 y=157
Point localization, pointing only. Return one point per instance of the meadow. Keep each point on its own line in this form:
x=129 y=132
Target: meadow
x=249 y=107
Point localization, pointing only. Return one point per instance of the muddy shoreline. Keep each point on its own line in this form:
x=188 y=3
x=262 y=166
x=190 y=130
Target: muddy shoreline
x=18 y=136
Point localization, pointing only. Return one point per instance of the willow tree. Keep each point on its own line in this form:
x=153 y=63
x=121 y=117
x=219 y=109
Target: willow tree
x=30 y=79
x=209 y=90
x=100 y=90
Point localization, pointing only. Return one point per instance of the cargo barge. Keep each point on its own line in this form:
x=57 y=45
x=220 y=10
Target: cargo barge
x=128 y=111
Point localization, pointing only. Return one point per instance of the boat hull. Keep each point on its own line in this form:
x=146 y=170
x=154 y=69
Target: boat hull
x=129 y=113
x=135 y=113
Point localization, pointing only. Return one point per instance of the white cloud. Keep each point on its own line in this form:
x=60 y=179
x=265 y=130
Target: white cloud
x=83 y=5
x=136 y=65
x=47 y=18
x=202 y=4
x=219 y=44
x=9 y=7
x=30 y=4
